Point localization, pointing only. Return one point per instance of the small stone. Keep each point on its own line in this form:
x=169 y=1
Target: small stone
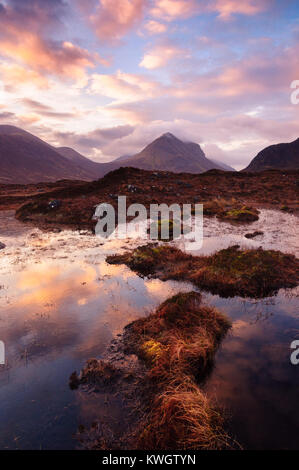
x=254 y=234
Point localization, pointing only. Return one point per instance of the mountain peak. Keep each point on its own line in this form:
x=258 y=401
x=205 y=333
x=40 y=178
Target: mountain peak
x=168 y=153
x=169 y=135
x=25 y=158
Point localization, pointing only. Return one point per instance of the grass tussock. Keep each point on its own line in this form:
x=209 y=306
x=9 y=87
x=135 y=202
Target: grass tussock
x=243 y=214
x=98 y=372
x=218 y=205
x=178 y=344
x=183 y=418
x=230 y=210
x=229 y=272
x=167 y=229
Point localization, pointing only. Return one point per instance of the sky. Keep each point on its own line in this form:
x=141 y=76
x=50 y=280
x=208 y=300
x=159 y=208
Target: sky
x=107 y=77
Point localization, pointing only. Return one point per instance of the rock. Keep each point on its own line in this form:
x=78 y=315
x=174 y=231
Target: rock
x=54 y=204
x=2 y=246
x=254 y=234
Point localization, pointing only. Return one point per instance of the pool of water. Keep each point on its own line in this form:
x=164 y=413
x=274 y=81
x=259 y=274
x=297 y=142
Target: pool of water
x=280 y=232
x=253 y=378
x=61 y=303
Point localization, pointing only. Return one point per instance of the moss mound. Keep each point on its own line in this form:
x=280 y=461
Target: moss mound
x=230 y=210
x=244 y=214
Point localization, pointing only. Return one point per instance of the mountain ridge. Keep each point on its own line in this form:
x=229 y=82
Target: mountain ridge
x=284 y=156
x=25 y=158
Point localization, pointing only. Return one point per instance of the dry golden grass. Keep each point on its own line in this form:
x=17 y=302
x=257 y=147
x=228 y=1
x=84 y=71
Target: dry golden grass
x=219 y=205
x=182 y=418
x=96 y=372
x=178 y=343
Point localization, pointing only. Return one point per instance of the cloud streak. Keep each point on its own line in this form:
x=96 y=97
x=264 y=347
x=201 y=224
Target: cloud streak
x=227 y=8
x=170 y=10
x=114 y=18
x=161 y=55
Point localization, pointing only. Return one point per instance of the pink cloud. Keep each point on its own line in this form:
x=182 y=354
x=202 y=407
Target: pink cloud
x=124 y=87
x=22 y=39
x=155 y=27
x=173 y=9
x=227 y=8
x=161 y=55
x=63 y=59
x=256 y=86
x=114 y=18
x=260 y=75
x=15 y=76
x=170 y=10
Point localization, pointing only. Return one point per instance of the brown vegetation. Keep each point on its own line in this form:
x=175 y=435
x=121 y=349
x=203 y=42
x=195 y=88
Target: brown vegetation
x=240 y=214
x=230 y=210
x=178 y=343
x=176 y=347
x=229 y=272
x=274 y=189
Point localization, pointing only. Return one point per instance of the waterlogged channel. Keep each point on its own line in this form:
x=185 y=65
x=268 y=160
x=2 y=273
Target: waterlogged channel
x=61 y=303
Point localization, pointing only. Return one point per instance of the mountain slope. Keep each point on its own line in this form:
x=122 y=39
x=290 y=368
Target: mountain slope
x=224 y=166
x=25 y=158
x=73 y=155
x=96 y=170
x=169 y=153
x=280 y=157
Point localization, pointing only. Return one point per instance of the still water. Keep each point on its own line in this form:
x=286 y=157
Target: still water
x=61 y=303
x=253 y=378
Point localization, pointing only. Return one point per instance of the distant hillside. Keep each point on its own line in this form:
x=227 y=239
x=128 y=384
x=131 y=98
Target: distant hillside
x=96 y=170
x=168 y=153
x=24 y=158
x=73 y=155
x=224 y=166
x=122 y=158
x=280 y=157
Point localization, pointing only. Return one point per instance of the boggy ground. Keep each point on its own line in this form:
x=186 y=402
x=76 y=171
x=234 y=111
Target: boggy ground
x=175 y=347
x=230 y=272
x=223 y=193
